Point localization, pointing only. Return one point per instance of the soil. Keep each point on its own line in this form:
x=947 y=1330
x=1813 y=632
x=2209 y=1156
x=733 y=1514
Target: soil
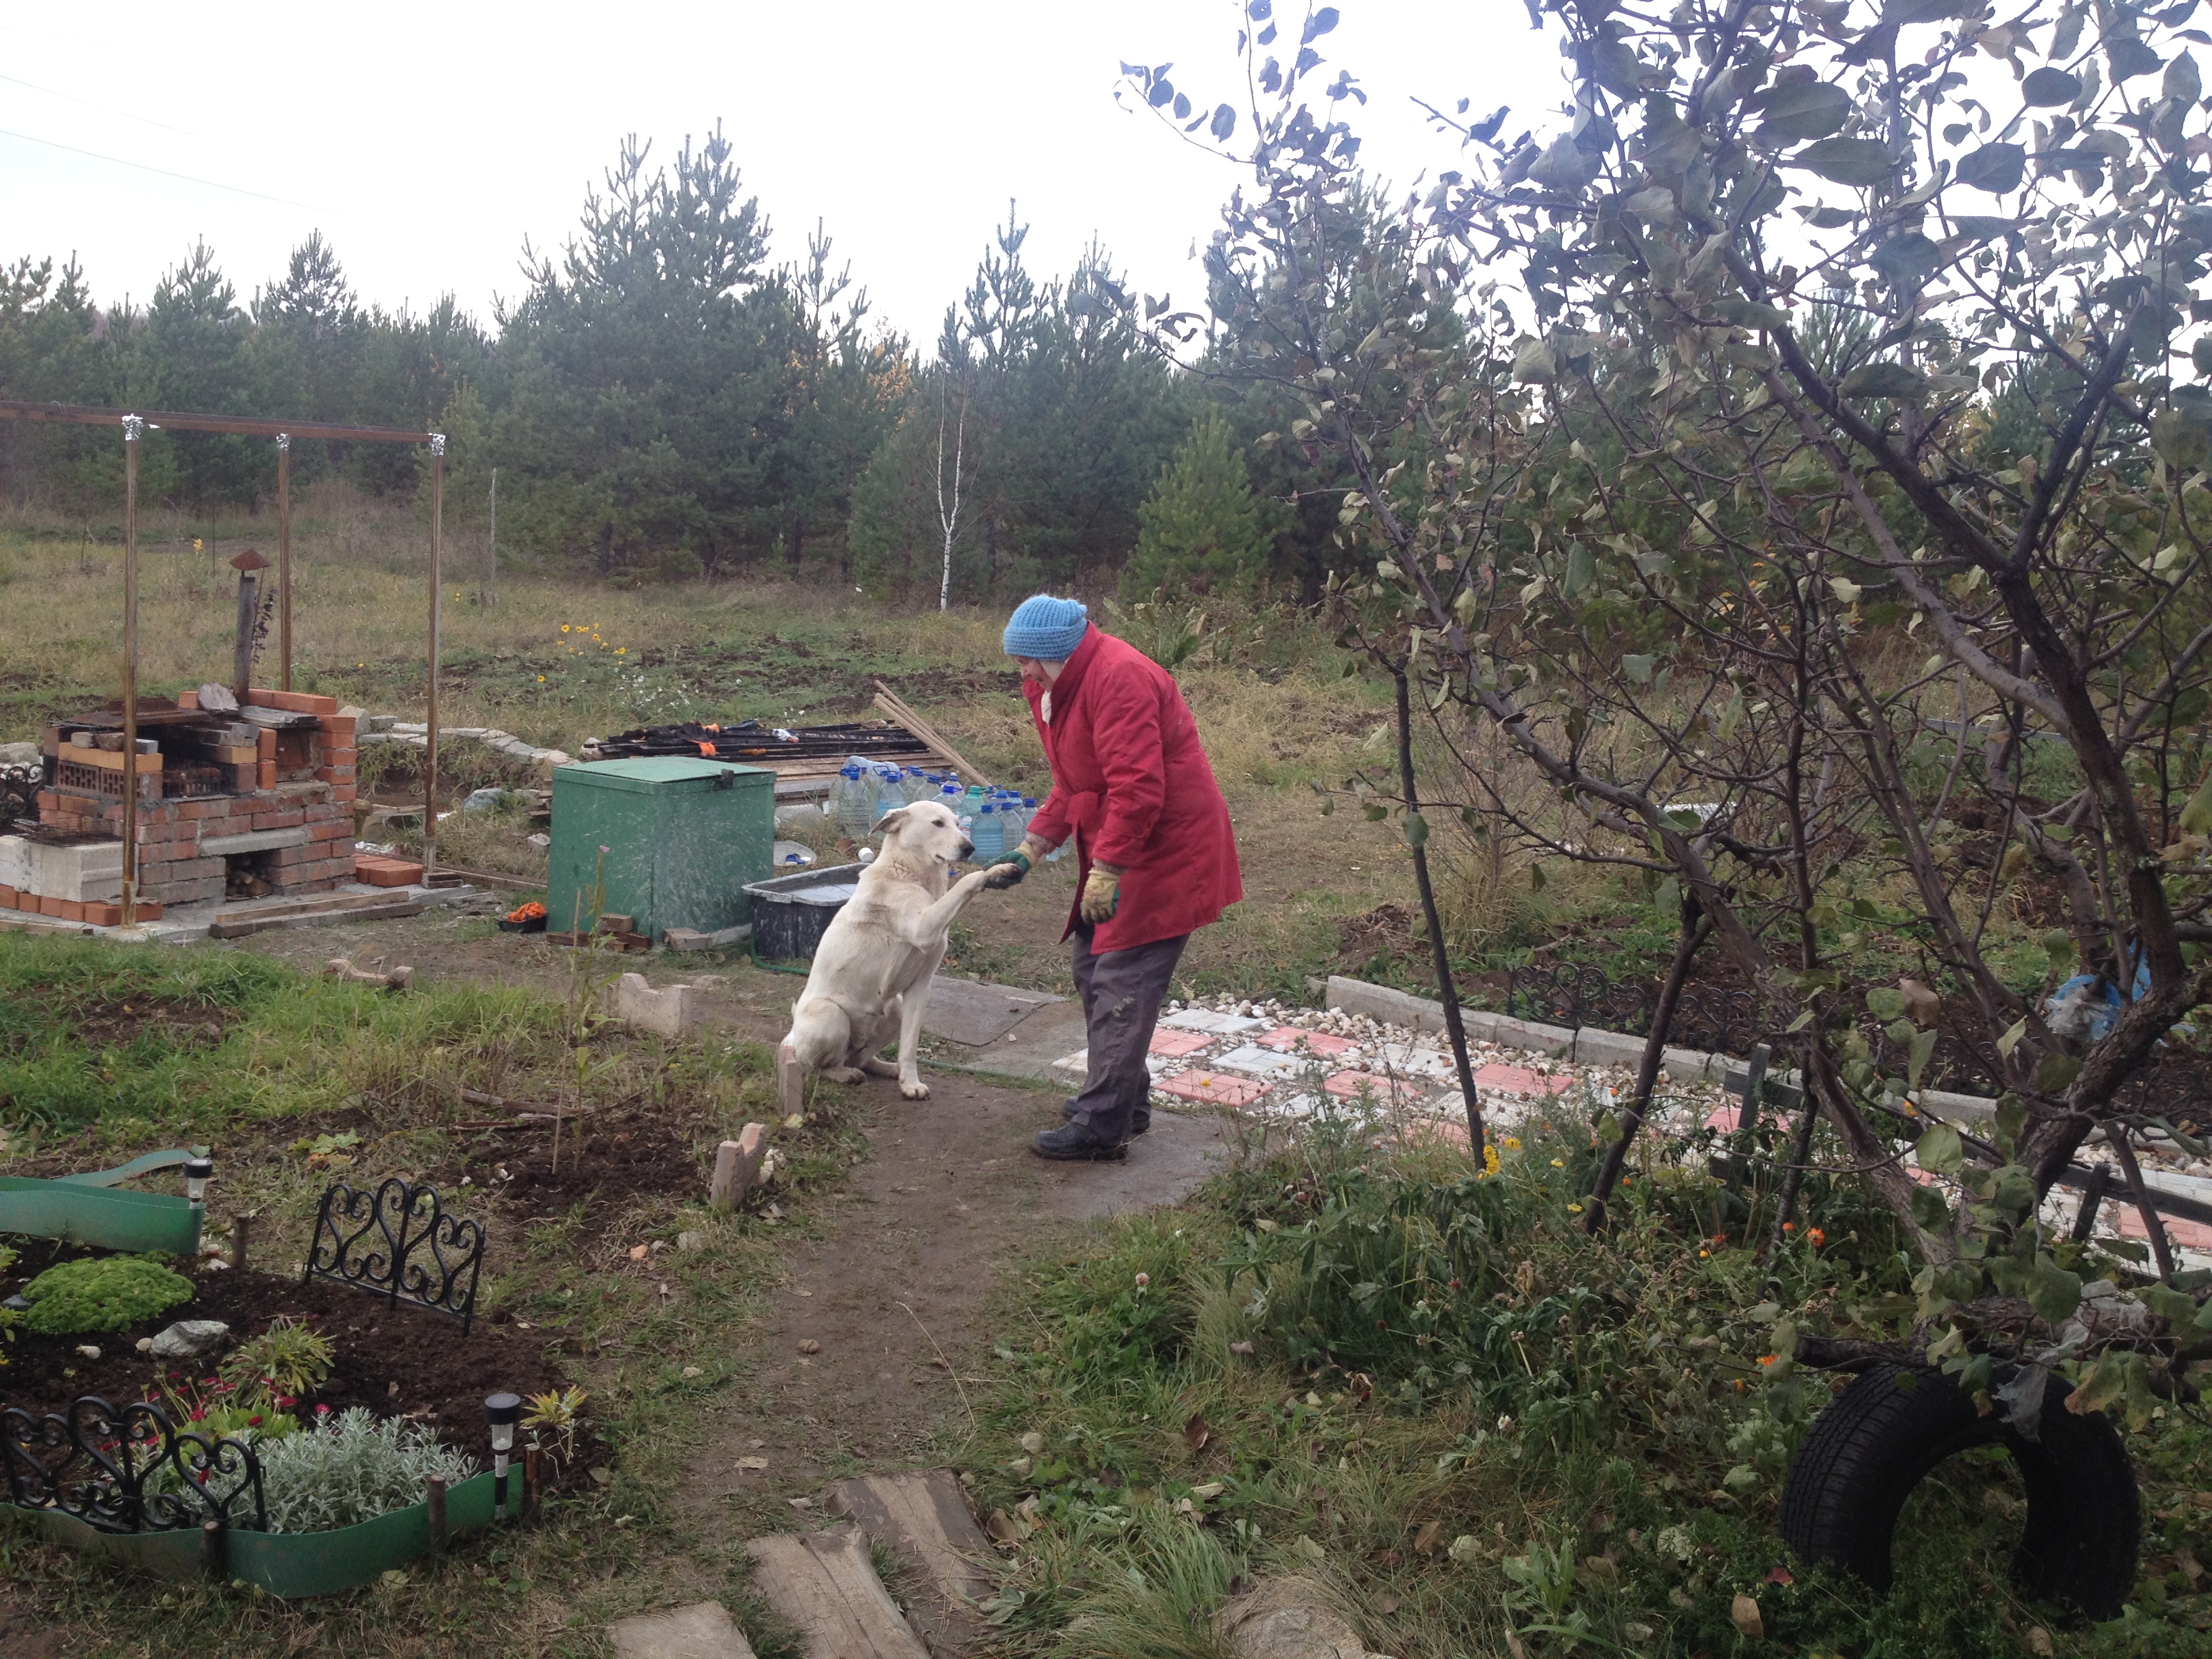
x=612 y=1156
x=177 y=1022
x=395 y=1361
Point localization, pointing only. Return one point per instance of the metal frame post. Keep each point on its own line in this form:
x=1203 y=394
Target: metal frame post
x=430 y=718
x=284 y=555
x=133 y=426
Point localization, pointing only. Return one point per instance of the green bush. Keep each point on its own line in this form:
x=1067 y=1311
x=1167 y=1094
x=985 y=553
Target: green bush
x=101 y=1293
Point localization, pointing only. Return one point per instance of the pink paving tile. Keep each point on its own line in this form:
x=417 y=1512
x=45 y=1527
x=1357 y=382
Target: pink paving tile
x=1175 y=1044
x=1520 y=1081
x=1429 y=1130
x=1288 y=1037
x=1345 y=1084
x=2189 y=1235
x=1217 y=1088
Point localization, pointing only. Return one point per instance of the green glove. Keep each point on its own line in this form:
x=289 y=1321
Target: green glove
x=1007 y=871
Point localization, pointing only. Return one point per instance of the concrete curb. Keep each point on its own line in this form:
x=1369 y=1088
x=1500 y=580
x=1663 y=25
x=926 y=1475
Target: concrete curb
x=1588 y=1046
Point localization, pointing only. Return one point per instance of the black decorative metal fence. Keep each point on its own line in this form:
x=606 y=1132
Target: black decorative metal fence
x=399 y=1243
x=129 y=1469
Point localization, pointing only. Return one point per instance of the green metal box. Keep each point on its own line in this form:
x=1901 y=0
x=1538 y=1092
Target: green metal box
x=681 y=838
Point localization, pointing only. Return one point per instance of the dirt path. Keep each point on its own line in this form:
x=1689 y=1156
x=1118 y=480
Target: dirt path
x=892 y=1282
x=877 y=1327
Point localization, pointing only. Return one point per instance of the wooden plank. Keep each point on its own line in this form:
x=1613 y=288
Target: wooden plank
x=452 y=876
x=17 y=408
x=889 y=702
x=370 y=910
x=298 y=907
x=824 y=1585
x=924 y=1518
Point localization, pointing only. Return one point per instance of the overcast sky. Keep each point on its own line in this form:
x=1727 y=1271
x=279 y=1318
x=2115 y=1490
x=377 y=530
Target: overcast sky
x=427 y=142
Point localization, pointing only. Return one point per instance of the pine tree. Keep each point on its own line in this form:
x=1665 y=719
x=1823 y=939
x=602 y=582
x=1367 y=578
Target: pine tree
x=1200 y=530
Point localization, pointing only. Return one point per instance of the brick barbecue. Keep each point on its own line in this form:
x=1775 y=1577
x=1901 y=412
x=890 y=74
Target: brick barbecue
x=238 y=803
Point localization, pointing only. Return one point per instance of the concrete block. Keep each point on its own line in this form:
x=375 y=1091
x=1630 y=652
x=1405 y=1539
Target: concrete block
x=1687 y=1065
x=691 y=939
x=257 y=841
x=671 y=1012
x=703 y=1631
x=1357 y=996
x=1533 y=1035
x=88 y=870
x=1596 y=1048
x=1954 y=1108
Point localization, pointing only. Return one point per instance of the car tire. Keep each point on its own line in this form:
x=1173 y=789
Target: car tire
x=1878 y=1439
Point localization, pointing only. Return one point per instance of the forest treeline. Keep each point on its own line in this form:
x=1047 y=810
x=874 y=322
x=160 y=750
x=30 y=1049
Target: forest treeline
x=664 y=400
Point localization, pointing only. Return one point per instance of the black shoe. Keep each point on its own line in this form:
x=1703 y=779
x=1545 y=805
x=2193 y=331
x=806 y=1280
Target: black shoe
x=1076 y=1144
x=1136 y=1125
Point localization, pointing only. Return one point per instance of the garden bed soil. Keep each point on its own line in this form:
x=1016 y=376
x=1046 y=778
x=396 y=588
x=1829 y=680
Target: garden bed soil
x=398 y=1362
x=615 y=1158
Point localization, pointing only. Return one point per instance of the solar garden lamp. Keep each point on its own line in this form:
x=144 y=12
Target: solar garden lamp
x=502 y=1413
x=197 y=1172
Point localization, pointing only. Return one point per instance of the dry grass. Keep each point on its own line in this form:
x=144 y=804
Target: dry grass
x=721 y=651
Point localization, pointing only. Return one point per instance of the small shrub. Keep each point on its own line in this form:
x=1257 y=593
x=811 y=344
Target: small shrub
x=552 y=1420
x=277 y=1368
x=101 y=1293
x=350 y=1468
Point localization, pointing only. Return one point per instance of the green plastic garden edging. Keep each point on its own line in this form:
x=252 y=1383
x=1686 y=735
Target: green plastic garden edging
x=288 y=1565
x=88 y=1209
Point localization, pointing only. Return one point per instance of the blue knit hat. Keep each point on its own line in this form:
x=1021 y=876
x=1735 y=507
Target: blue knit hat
x=1046 y=628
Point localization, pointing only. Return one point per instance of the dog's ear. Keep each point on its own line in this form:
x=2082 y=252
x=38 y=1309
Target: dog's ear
x=890 y=822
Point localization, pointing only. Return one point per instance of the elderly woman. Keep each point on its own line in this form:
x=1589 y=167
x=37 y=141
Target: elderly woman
x=1154 y=849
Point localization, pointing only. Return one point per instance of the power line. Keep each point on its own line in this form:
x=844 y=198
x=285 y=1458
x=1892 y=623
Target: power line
x=71 y=97
x=187 y=178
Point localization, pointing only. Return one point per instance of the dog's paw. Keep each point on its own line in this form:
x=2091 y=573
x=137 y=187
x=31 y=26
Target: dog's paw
x=844 y=1074
x=915 y=1091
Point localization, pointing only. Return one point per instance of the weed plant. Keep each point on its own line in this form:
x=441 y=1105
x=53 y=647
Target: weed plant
x=1474 y=1429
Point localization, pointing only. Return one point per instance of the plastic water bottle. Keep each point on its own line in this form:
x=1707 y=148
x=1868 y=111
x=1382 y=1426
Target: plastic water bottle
x=854 y=800
x=989 y=833
x=949 y=797
x=888 y=797
x=915 y=784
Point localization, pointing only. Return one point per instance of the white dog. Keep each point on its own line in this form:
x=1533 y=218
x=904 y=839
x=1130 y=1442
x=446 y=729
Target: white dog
x=873 y=967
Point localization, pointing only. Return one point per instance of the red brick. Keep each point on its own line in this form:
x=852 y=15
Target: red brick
x=149 y=910
x=188 y=699
x=68 y=910
x=265 y=776
x=7 y=896
x=48 y=800
x=343 y=792
x=340 y=726
x=285 y=817
x=206 y=809
x=265 y=744
x=334 y=775
x=104 y=916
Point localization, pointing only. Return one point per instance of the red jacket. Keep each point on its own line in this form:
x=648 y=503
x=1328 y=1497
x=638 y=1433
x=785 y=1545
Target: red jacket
x=1130 y=781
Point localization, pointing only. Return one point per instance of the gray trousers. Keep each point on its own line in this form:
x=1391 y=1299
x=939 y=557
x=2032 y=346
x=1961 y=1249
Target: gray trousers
x=1121 y=992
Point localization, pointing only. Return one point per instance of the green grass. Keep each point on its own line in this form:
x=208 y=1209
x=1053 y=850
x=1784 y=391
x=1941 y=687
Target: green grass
x=298 y=1055
x=1460 y=1419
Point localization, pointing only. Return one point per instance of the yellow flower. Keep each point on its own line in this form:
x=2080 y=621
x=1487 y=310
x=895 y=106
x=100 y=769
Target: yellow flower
x=1512 y=1144
x=541 y=680
x=621 y=650
x=1574 y=1209
x=564 y=628
x=1558 y=1165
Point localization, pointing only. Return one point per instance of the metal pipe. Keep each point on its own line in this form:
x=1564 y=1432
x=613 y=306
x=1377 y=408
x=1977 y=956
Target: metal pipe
x=430 y=718
x=132 y=427
x=284 y=554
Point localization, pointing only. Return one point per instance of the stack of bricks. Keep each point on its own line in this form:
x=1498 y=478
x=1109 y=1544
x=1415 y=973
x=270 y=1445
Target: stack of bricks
x=294 y=810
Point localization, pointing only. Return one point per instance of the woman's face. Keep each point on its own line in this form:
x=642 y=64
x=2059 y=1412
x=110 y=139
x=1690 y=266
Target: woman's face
x=1037 y=672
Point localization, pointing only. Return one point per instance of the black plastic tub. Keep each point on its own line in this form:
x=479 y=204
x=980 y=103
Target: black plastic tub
x=791 y=913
